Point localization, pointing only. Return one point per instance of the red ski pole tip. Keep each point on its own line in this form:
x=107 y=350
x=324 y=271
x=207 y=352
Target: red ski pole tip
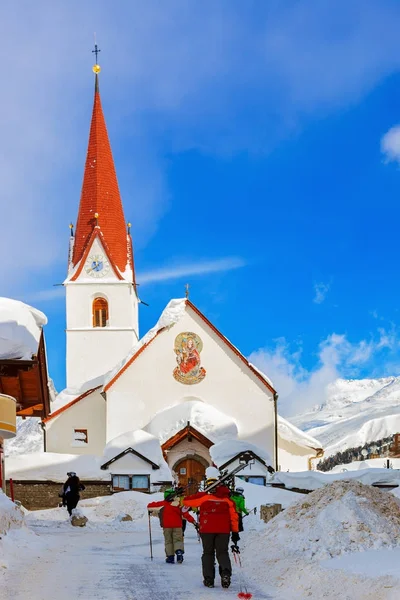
x=241 y=595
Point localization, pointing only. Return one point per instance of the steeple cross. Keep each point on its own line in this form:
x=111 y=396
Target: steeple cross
x=187 y=286
x=96 y=50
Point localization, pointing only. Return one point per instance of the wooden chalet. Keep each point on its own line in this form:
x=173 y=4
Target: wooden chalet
x=27 y=382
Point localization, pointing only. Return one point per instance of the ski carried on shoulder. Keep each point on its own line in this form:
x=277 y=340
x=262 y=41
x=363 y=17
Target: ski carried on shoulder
x=228 y=476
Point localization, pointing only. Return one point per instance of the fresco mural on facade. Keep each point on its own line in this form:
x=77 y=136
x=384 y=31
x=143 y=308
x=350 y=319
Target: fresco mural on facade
x=187 y=348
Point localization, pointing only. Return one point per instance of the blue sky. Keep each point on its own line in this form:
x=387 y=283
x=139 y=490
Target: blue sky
x=258 y=159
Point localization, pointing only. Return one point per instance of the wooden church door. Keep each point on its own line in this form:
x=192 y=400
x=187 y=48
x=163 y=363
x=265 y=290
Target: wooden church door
x=191 y=473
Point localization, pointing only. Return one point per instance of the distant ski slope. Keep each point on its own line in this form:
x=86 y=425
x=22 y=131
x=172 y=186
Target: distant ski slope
x=354 y=412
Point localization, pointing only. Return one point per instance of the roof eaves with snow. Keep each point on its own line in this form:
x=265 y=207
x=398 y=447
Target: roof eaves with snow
x=130 y=450
x=253 y=454
x=67 y=406
x=256 y=372
x=188 y=303
x=299 y=437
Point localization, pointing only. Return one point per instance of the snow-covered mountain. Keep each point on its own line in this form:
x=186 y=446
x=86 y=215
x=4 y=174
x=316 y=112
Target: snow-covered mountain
x=354 y=412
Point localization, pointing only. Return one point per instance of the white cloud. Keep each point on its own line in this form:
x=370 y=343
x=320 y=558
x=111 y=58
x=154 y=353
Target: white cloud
x=300 y=389
x=321 y=290
x=390 y=144
x=190 y=269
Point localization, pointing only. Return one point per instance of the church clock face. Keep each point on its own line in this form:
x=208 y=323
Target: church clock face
x=97 y=266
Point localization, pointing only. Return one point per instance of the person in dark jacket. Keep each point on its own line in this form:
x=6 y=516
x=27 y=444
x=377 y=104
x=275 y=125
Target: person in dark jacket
x=218 y=518
x=172 y=517
x=71 y=490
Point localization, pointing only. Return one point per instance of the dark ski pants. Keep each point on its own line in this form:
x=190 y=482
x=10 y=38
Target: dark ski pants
x=72 y=502
x=215 y=544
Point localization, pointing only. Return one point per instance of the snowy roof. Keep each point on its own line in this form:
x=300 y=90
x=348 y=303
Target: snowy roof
x=172 y=313
x=312 y=480
x=20 y=329
x=291 y=433
x=224 y=451
x=51 y=466
x=143 y=443
x=209 y=421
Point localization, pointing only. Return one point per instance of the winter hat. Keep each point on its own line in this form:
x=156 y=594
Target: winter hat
x=210 y=481
x=71 y=474
x=169 y=492
x=212 y=473
x=240 y=490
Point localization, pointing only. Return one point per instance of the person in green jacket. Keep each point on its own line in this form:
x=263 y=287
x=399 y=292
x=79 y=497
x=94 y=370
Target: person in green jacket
x=238 y=497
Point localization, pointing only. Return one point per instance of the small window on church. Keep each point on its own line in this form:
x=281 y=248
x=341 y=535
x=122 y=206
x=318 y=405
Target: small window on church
x=80 y=437
x=100 y=312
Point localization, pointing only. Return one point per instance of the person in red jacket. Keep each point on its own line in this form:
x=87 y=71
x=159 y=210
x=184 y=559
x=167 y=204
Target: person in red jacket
x=218 y=518
x=172 y=516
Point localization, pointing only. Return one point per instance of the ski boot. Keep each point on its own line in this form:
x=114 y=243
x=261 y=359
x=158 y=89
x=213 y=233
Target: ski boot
x=179 y=556
x=208 y=582
x=225 y=580
x=170 y=559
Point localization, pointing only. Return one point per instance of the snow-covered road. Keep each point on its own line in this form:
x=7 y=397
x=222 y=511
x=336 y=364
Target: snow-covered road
x=103 y=563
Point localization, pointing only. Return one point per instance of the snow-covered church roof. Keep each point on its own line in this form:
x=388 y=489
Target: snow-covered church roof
x=20 y=329
x=291 y=433
x=209 y=421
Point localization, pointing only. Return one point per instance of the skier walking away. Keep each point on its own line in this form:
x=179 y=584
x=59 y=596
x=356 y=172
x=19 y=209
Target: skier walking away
x=218 y=518
x=238 y=497
x=171 y=522
x=71 y=490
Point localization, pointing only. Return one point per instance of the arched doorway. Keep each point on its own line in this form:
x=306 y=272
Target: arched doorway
x=191 y=472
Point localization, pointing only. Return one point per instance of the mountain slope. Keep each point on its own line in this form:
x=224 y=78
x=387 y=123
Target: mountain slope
x=354 y=412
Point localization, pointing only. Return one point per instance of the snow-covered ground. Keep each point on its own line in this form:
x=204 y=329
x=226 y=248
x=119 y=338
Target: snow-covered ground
x=340 y=542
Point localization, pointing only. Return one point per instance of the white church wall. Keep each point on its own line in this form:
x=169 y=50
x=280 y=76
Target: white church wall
x=87 y=414
x=292 y=457
x=148 y=386
x=186 y=449
x=92 y=351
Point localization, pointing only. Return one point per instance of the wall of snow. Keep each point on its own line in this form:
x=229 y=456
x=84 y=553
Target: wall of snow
x=20 y=329
x=89 y=413
x=148 y=385
x=48 y=466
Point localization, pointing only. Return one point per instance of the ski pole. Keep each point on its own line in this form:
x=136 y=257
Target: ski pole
x=250 y=511
x=151 y=541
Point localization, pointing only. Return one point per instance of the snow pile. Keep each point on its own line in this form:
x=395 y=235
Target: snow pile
x=370 y=463
x=11 y=517
x=209 y=421
x=224 y=451
x=312 y=480
x=108 y=508
x=337 y=519
x=20 y=329
x=145 y=444
x=51 y=466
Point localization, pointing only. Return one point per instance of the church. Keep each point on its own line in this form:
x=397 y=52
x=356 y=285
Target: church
x=178 y=398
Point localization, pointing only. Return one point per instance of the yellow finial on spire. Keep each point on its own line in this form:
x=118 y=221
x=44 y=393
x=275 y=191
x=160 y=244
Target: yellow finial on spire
x=96 y=68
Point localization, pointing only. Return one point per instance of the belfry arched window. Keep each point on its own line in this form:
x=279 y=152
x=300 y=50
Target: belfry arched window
x=100 y=312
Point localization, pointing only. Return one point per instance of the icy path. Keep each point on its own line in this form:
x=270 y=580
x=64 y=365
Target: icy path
x=101 y=563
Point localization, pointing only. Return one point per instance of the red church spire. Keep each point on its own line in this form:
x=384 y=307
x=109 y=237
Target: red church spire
x=100 y=194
